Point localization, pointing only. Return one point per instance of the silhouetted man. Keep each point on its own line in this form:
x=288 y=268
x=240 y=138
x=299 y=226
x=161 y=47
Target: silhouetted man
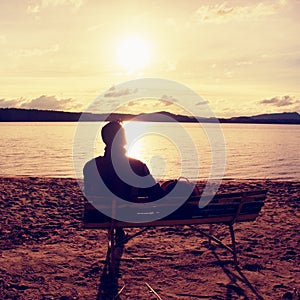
x=125 y=177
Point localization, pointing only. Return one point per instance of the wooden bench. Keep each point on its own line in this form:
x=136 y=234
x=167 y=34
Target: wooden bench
x=226 y=209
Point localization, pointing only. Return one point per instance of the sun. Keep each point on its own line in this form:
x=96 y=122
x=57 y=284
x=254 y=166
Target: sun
x=133 y=53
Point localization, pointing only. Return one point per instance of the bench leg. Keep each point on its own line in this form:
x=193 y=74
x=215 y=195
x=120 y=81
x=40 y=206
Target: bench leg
x=128 y=238
x=210 y=234
x=233 y=244
x=111 y=248
x=213 y=238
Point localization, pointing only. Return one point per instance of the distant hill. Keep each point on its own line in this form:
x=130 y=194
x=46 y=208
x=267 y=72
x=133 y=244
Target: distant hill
x=35 y=115
x=275 y=118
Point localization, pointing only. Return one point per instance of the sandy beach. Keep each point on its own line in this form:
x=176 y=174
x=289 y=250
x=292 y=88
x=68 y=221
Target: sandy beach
x=45 y=253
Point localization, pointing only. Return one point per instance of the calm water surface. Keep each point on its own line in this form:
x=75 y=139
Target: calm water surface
x=252 y=151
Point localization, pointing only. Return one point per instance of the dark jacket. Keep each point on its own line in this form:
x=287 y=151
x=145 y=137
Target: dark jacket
x=124 y=177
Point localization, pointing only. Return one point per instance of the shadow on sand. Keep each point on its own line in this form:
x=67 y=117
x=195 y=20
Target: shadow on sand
x=109 y=287
x=236 y=277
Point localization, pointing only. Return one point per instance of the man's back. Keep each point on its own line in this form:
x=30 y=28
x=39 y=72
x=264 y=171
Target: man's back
x=119 y=183
x=117 y=174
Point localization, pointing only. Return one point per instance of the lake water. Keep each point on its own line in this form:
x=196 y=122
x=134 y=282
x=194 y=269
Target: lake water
x=252 y=151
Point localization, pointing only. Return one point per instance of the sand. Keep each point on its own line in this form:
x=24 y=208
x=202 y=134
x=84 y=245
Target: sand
x=45 y=253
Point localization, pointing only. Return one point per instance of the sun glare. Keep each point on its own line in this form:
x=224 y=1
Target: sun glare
x=133 y=53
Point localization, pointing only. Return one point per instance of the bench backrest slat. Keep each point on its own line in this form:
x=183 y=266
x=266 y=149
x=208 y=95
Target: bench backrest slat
x=222 y=209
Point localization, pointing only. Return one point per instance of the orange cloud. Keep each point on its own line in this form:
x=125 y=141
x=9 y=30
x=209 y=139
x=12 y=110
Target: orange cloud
x=112 y=92
x=50 y=102
x=35 y=51
x=222 y=12
x=280 y=101
x=36 y=6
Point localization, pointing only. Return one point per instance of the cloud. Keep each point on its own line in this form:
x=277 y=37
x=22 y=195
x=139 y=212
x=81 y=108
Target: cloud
x=35 y=51
x=33 y=9
x=167 y=100
x=204 y=102
x=35 y=6
x=10 y=103
x=172 y=66
x=101 y=105
x=222 y=12
x=244 y=63
x=50 y=102
x=280 y=101
x=142 y=105
x=113 y=92
x=94 y=28
x=74 y=3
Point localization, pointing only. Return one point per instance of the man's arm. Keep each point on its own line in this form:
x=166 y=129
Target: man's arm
x=154 y=192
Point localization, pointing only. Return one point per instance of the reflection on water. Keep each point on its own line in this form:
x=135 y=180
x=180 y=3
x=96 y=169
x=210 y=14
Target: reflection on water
x=169 y=149
x=36 y=149
x=158 y=152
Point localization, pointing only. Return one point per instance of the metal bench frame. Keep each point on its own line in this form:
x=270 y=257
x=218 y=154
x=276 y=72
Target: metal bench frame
x=239 y=199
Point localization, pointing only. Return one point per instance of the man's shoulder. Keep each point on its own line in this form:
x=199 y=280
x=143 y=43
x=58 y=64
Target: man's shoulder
x=92 y=162
x=136 y=162
x=138 y=166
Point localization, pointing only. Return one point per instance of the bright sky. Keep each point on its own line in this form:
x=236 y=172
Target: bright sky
x=243 y=57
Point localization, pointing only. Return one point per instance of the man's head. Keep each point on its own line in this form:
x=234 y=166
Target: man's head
x=113 y=132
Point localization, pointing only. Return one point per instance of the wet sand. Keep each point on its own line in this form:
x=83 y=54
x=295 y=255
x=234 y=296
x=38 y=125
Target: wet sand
x=45 y=253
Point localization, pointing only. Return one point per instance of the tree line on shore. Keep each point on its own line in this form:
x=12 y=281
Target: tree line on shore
x=35 y=115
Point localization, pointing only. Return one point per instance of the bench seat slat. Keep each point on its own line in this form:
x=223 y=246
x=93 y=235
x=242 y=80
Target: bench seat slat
x=211 y=220
x=223 y=213
x=222 y=209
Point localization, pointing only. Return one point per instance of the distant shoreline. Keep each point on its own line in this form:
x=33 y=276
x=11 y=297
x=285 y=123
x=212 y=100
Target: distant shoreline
x=34 y=115
x=198 y=181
